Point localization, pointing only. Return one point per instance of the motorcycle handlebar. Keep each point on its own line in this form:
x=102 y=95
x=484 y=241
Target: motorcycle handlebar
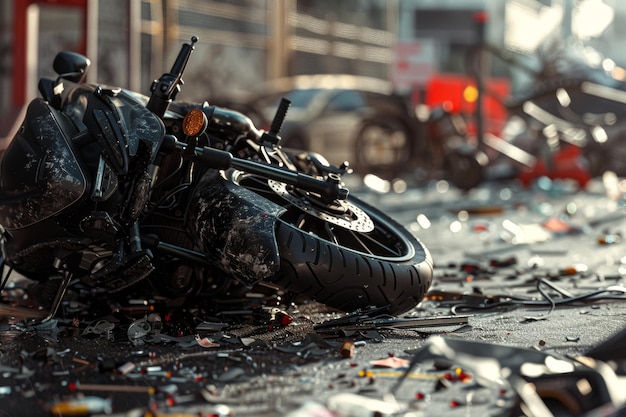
x=164 y=90
x=223 y=160
x=183 y=57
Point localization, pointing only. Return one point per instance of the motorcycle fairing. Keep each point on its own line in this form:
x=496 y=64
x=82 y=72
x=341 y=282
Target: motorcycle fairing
x=41 y=174
x=120 y=119
x=236 y=228
x=139 y=123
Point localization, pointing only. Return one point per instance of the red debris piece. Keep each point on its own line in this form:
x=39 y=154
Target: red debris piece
x=481 y=227
x=391 y=362
x=470 y=268
x=455 y=403
x=462 y=376
x=503 y=262
x=557 y=225
x=285 y=319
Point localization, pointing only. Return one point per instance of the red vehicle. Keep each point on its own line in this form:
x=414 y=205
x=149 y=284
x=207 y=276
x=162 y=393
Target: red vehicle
x=459 y=93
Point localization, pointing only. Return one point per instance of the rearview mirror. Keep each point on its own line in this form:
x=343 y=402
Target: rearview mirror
x=71 y=66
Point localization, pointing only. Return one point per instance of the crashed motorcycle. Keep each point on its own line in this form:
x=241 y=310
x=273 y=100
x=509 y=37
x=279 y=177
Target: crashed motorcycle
x=109 y=189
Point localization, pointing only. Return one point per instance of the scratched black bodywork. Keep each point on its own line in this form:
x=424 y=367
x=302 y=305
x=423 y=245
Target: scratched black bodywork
x=236 y=228
x=40 y=172
x=48 y=171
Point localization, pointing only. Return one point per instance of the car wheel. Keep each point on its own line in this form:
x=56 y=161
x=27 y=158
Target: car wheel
x=382 y=148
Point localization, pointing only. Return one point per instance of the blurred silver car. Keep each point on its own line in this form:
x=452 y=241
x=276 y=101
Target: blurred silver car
x=343 y=118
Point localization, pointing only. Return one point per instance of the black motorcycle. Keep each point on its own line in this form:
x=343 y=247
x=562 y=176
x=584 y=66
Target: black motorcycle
x=108 y=188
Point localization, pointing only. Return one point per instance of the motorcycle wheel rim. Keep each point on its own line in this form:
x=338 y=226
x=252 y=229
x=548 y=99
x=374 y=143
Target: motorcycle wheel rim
x=385 y=239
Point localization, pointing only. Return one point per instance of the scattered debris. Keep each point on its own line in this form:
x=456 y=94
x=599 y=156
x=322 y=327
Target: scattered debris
x=507 y=278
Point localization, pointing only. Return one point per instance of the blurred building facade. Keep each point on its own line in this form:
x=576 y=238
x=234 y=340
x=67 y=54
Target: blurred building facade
x=245 y=42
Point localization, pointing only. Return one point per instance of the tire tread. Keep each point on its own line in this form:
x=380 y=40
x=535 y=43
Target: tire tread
x=347 y=280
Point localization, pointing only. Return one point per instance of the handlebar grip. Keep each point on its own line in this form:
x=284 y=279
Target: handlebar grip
x=183 y=57
x=279 y=118
x=219 y=159
x=164 y=90
x=214 y=158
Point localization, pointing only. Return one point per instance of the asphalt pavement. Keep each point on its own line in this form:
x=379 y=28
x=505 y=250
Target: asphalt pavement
x=524 y=317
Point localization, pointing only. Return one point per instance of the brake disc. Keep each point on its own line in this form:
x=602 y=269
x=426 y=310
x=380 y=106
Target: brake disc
x=340 y=212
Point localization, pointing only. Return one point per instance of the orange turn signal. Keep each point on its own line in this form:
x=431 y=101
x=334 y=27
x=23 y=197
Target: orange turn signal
x=194 y=123
x=470 y=93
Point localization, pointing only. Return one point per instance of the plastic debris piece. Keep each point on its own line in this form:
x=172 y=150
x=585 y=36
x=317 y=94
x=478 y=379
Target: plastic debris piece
x=156 y=323
x=137 y=330
x=366 y=373
x=312 y=409
x=81 y=407
x=347 y=349
x=480 y=227
x=271 y=316
x=102 y=327
x=525 y=234
x=391 y=362
x=283 y=318
x=46 y=326
x=462 y=375
x=348 y=404
x=574 y=269
x=558 y=225
x=217 y=410
x=231 y=375
x=125 y=368
x=206 y=342
x=510 y=261
x=78 y=386
x=210 y=326
x=610 y=239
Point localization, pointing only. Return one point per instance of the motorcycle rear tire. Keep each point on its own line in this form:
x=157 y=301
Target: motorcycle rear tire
x=348 y=278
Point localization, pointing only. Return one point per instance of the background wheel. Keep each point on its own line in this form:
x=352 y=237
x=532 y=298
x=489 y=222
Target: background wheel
x=464 y=168
x=382 y=148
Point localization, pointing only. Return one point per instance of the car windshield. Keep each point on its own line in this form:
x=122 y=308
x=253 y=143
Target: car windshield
x=301 y=98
